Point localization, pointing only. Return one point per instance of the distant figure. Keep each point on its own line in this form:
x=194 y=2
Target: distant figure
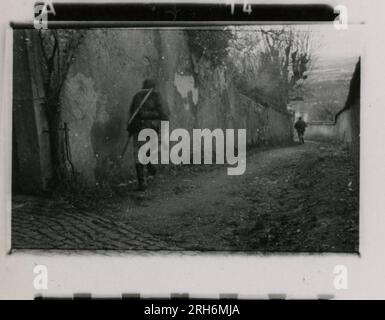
x=300 y=126
x=150 y=114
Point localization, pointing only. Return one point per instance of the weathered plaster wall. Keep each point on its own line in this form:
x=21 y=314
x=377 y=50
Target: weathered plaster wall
x=280 y=127
x=348 y=120
x=110 y=68
x=321 y=131
x=324 y=131
x=343 y=128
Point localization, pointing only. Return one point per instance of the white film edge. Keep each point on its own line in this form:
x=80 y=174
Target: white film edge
x=170 y=155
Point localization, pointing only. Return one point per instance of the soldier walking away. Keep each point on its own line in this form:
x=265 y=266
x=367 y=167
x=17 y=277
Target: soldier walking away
x=300 y=126
x=146 y=112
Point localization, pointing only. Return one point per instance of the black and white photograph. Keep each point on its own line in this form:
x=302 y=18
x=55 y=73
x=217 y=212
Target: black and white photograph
x=210 y=139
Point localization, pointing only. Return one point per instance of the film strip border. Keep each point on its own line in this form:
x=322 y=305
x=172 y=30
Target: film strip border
x=185 y=296
x=83 y=15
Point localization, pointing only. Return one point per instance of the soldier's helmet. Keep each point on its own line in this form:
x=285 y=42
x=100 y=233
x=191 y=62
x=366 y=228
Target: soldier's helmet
x=149 y=84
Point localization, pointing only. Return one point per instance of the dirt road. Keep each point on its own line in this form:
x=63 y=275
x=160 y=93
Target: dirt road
x=297 y=199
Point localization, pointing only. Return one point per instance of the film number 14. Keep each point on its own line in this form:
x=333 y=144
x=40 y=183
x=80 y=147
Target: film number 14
x=245 y=8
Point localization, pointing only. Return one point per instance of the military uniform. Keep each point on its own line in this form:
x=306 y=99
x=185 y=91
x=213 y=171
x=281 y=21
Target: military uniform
x=300 y=126
x=148 y=117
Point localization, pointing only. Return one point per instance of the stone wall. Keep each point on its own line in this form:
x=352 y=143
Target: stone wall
x=279 y=127
x=321 y=131
x=343 y=128
x=325 y=131
x=31 y=166
x=110 y=68
x=348 y=121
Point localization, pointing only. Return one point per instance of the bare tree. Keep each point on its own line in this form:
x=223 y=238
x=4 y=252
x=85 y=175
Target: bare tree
x=326 y=110
x=288 y=52
x=280 y=57
x=58 y=49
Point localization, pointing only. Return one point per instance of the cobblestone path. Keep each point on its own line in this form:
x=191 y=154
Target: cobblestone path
x=44 y=224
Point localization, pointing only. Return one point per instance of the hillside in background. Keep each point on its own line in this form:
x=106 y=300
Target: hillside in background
x=325 y=91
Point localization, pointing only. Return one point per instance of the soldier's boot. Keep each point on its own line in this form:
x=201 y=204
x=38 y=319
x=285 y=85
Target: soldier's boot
x=140 y=174
x=151 y=170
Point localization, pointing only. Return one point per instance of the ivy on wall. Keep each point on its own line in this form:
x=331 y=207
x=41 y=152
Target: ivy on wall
x=211 y=45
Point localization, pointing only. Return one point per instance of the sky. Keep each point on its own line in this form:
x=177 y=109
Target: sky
x=330 y=42
x=338 y=43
